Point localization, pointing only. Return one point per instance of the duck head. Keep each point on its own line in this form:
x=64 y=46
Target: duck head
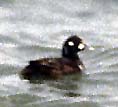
x=72 y=46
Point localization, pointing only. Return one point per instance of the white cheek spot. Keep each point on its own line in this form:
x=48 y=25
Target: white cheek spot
x=70 y=43
x=81 y=46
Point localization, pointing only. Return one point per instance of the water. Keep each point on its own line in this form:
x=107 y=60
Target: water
x=31 y=29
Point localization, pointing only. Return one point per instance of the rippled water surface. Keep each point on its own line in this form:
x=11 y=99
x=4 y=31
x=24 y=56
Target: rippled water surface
x=31 y=29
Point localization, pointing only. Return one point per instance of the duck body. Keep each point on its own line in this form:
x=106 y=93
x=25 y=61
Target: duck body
x=52 y=68
x=55 y=68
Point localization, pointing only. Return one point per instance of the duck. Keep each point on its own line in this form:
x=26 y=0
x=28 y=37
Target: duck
x=55 y=68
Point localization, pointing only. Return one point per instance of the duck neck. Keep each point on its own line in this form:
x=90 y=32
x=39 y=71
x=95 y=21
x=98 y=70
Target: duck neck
x=66 y=53
x=72 y=56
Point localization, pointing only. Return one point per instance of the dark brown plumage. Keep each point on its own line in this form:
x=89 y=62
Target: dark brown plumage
x=54 y=68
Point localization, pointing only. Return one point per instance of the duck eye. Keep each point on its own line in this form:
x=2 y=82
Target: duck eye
x=70 y=43
x=81 y=46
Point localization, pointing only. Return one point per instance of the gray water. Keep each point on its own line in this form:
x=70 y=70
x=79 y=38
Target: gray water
x=32 y=29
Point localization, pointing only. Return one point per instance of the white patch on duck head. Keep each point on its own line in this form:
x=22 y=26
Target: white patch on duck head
x=81 y=46
x=71 y=43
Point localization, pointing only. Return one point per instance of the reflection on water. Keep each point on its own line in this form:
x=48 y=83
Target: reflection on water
x=36 y=29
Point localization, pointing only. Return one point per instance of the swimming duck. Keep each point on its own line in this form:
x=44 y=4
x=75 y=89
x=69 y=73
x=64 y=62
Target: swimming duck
x=55 y=68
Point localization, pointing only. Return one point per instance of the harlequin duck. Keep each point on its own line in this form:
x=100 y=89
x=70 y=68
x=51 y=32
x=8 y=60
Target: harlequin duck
x=54 y=68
